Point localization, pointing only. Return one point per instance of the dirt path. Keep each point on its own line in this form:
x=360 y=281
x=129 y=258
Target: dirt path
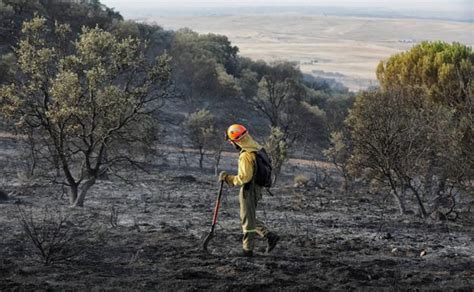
x=167 y=149
x=234 y=155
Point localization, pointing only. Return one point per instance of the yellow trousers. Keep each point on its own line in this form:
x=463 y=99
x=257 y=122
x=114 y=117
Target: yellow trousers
x=249 y=196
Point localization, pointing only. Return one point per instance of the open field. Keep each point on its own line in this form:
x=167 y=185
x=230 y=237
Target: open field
x=147 y=236
x=345 y=48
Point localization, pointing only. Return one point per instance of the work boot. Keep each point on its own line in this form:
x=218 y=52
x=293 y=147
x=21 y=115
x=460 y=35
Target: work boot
x=272 y=239
x=247 y=253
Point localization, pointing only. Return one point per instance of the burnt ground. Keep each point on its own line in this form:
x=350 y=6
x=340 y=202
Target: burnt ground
x=330 y=240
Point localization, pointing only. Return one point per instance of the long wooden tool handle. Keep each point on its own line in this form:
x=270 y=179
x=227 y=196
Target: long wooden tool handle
x=218 y=202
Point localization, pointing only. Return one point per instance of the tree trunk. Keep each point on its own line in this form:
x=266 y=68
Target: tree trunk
x=201 y=157
x=34 y=158
x=399 y=201
x=276 y=174
x=183 y=153
x=84 y=189
x=420 y=202
x=396 y=196
x=347 y=184
x=72 y=194
x=428 y=182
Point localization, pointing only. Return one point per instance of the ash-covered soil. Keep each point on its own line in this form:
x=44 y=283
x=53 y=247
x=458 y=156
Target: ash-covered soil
x=148 y=236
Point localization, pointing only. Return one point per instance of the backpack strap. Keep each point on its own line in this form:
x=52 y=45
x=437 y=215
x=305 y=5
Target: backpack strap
x=254 y=175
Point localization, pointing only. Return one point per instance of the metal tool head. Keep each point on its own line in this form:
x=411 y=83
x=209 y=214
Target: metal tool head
x=207 y=240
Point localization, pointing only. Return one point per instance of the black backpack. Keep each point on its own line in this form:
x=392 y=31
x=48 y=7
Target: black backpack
x=263 y=175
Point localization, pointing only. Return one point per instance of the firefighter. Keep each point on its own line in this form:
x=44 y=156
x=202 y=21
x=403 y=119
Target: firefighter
x=250 y=192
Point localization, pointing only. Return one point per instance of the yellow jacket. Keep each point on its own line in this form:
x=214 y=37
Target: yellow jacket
x=246 y=162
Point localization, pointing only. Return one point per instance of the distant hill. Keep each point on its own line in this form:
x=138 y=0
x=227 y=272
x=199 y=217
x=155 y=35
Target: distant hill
x=344 y=48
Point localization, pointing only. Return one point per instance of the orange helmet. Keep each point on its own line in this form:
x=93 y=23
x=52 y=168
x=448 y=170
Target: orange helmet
x=236 y=132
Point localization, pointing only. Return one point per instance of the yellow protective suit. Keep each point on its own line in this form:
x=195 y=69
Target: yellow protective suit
x=250 y=193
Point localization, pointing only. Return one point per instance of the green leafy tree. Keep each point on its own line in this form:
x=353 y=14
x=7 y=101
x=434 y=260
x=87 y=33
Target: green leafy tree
x=277 y=149
x=75 y=13
x=198 y=61
x=309 y=126
x=337 y=109
x=279 y=96
x=157 y=39
x=6 y=13
x=441 y=74
x=282 y=100
x=201 y=130
x=228 y=86
x=7 y=68
x=405 y=147
x=415 y=135
x=444 y=71
x=89 y=103
x=339 y=153
x=249 y=84
x=379 y=126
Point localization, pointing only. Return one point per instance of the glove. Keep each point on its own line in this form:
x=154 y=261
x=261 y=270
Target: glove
x=223 y=176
